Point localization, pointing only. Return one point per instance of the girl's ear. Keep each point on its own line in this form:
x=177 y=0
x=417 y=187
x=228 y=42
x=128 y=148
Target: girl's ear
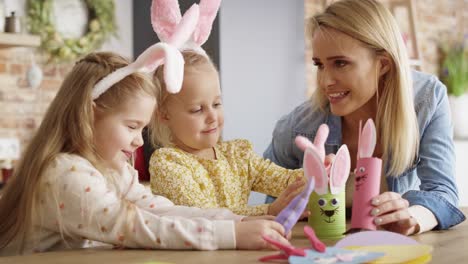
x=162 y=115
x=95 y=110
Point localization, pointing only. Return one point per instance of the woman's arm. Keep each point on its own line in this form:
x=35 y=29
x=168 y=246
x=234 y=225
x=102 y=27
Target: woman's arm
x=280 y=150
x=438 y=190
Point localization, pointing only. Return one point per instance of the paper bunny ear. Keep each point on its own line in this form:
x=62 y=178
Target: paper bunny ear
x=147 y=62
x=303 y=143
x=340 y=169
x=313 y=168
x=320 y=138
x=319 y=141
x=367 y=140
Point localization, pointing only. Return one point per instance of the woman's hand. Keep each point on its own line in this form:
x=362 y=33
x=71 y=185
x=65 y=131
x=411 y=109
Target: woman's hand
x=249 y=234
x=286 y=196
x=391 y=213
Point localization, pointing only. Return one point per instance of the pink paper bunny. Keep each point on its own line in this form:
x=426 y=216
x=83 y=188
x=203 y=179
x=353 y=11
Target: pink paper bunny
x=327 y=202
x=367 y=180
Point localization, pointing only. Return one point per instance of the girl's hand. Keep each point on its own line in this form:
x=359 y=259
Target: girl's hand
x=286 y=196
x=249 y=234
x=391 y=213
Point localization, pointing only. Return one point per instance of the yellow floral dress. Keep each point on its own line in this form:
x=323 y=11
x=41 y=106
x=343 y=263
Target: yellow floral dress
x=226 y=181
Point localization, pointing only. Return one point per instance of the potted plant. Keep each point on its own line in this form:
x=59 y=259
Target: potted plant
x=455 y=77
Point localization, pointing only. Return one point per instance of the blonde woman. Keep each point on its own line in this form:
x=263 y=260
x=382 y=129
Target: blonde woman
x=363 y=72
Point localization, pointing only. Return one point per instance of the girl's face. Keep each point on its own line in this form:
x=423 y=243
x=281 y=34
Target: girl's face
x=119 y=133
x=195 y=115
x=347 y=70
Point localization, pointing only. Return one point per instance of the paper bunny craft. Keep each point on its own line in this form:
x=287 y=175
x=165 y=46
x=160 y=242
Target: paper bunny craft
x=166 y=19
x=327 y=202
x=367 y=179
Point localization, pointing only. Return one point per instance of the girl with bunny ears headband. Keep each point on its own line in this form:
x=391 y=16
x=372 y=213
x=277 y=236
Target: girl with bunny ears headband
x=165 y=19
x=195 y=167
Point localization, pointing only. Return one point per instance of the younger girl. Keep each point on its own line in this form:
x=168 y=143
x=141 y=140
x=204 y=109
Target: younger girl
x=195 y=168
x=74 y=184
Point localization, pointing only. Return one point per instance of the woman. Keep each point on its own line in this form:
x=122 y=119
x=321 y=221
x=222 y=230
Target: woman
x=363 y=72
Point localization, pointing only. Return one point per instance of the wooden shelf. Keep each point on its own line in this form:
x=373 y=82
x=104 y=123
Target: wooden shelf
x=9 y=40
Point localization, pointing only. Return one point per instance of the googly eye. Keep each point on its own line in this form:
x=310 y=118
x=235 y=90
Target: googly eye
x=335 y=202
x=362 y=169
x=322 y=202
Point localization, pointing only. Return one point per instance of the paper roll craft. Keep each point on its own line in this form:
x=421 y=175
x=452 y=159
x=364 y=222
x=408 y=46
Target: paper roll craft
x=367 y=180
x=327 y=201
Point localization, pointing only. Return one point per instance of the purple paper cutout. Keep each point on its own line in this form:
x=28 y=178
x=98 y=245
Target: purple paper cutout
x=289 y=216
x=373 y=238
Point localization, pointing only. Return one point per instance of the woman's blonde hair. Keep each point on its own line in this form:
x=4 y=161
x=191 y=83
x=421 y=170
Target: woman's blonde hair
x=67 y=127
x=195 y=63
x=372 y=24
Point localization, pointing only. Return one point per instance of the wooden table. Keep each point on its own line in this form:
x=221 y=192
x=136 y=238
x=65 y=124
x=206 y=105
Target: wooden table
x=450 y=246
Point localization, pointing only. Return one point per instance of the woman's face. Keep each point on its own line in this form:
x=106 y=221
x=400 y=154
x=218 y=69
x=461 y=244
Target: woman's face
x=347 y=71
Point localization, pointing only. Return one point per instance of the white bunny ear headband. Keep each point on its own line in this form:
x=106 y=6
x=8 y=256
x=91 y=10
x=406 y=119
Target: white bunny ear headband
x=176 y=33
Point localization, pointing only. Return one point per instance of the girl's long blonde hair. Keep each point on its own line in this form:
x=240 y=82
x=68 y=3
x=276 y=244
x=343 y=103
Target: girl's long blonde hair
x=195 y=63
x=67 y=127
x=371 y=23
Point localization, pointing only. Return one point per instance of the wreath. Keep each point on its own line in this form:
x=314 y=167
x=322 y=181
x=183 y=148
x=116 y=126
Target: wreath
x=101 y=25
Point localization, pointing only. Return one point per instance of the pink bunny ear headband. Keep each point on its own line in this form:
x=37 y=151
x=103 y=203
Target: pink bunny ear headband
x=176 y=33
x=166 y=17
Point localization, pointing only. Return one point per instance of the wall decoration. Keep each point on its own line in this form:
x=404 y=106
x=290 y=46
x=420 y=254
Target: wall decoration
x=71 y=28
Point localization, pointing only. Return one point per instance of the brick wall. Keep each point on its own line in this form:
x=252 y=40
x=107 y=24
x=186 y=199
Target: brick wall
x=22 y=107
x=435 y=21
